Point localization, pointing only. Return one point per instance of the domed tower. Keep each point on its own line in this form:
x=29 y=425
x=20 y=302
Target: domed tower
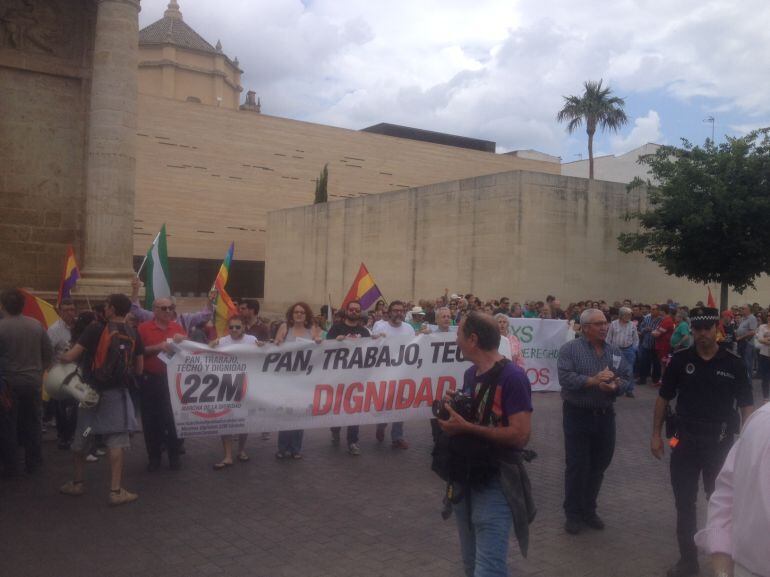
x=177 y=62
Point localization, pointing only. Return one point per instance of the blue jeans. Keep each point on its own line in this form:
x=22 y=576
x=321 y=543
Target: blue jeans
x=629 y=355
x=396 y=431
x=290 y=441
x=484 y=523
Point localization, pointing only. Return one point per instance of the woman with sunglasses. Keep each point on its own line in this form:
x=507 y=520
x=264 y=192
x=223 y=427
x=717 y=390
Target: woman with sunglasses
x=235 y=336
x=299 y=325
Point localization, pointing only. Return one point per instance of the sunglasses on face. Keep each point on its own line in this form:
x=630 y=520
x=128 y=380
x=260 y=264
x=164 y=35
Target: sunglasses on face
x=166 y=309
x=235 y=327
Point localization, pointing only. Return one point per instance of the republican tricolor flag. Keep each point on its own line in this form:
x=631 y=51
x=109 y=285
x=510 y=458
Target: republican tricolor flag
x=38 y=309
x=363 y=290
x=224 y=307
x=69 y=277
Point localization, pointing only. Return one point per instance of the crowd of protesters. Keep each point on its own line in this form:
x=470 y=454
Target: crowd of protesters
x=646 y=334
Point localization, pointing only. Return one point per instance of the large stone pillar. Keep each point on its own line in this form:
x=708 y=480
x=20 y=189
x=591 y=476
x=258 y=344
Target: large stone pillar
x=111 y=155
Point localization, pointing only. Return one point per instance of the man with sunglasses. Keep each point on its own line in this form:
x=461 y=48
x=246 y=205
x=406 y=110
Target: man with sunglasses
x=157 y=415
x=592 y=373
x=187 y=320
x=349 y=328
x=236 y=335
x=713 y=397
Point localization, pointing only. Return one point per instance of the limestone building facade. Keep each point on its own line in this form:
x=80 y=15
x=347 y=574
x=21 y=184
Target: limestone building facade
x=519 y=234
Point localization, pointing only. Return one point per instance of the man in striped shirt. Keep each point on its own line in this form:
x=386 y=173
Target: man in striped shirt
x=622 y=334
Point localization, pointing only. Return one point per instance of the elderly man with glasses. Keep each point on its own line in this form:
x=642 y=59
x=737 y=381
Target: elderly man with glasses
x=592 y=373
x=157 y=415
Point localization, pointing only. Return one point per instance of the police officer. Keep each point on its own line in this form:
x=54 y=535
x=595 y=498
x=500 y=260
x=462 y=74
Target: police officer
x=708 y=383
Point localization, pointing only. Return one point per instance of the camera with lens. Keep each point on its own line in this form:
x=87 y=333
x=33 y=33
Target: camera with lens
x=461 y=403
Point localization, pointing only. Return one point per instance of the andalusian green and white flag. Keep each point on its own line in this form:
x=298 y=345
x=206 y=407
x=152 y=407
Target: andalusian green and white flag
x=157 y=283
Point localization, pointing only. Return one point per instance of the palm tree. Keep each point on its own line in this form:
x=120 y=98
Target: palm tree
x=598 y=108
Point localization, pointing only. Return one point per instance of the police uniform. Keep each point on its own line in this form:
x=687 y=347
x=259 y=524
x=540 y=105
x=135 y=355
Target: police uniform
x=707 y=394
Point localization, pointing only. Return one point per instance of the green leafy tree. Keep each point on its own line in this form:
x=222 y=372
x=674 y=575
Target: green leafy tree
x=708 y=218
x=598 y=109
x=321 y=193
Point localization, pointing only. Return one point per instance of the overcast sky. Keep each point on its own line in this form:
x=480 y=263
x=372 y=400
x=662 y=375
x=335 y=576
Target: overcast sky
x=497 y=69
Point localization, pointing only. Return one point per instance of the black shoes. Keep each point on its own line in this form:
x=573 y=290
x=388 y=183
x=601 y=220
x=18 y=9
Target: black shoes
x=594 y=521
x=153 y=465
x=684 y=569
x=573 y=526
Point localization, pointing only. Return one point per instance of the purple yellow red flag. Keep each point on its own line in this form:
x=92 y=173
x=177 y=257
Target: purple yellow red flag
x=69 y=277
x=223 y=304
x=363 y=290
x=38 y=309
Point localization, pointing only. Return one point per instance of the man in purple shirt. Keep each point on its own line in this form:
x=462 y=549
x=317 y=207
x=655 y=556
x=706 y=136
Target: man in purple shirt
x=484 y=516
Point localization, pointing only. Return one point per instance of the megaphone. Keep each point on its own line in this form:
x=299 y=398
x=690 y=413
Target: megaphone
x=64 y=381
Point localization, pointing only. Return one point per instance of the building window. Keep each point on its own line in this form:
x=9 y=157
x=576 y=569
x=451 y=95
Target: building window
x=194 y=99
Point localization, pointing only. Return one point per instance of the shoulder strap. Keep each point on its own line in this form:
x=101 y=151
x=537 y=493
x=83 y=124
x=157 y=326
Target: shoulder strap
x=488 y=391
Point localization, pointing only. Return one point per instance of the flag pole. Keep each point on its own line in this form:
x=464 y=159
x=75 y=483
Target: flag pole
x=141 y=266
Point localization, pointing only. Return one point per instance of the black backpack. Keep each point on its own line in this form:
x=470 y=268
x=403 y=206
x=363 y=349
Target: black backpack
x=114 y=359
x=470 y=460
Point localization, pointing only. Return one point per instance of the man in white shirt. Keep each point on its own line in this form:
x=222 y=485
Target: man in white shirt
x=394 y=326
x=236 y=327
x=622 y=334
x=739 y=509
x=66 y=410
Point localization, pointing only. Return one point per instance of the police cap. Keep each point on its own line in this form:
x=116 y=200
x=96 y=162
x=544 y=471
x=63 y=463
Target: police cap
x=704 y=317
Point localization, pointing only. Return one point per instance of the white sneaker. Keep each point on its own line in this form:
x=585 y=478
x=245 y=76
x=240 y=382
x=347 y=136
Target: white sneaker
x=91 y=458
x=354 y=449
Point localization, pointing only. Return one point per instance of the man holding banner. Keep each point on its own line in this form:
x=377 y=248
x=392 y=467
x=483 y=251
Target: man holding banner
x=393 y=327
x=348 y=329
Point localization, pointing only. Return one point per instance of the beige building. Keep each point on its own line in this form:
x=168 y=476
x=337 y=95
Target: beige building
x=518 y=233
x=212 y=170
x=614 y=168
x=176 y=62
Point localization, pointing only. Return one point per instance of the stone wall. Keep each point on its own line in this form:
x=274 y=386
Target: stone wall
x=520 y=234
x=212 y=174
x=45 y=54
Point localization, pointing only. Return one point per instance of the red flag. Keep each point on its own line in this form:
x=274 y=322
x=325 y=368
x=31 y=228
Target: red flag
x=710 y=302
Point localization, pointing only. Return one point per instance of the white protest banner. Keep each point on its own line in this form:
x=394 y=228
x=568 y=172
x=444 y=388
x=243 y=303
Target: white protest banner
x=540 y=341
x=304 y=385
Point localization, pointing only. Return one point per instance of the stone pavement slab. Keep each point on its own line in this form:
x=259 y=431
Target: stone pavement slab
x=329 y=514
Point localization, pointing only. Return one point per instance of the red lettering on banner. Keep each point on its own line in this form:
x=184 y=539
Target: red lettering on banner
x=375 y=395
x=424 y=394
x=404 y=402
x=538 y=376
x=443 y=381
x=353 y=405
x=318 y=408
x=391 y=394
x=338 y=398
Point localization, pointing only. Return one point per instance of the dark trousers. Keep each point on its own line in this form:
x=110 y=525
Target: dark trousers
x=21 y=425
x=764 y=374
x=158 y=418
x=693 y=457
x=589 y=443
x=66 y=419
x=351 y=433
x=649 y=365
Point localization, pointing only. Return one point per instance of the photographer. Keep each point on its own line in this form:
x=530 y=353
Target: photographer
x=481 y=450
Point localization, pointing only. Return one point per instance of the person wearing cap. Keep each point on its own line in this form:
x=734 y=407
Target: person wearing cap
x=418 y=319
x=708 y=383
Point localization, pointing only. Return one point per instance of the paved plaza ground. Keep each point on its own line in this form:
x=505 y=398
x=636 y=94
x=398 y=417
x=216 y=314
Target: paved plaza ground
x=330 y=514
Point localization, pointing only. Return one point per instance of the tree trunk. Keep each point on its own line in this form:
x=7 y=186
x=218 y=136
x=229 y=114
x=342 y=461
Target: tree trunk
x=723 y=296
x=590 y=156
